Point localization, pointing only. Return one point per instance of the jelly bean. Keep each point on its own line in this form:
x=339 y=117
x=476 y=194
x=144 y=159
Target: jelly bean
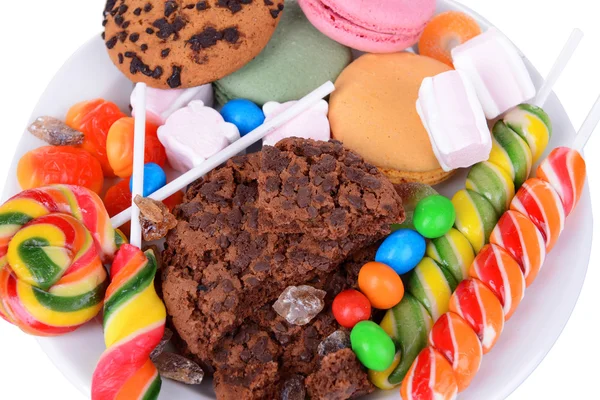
x=432 y=285
x=372 y=346
x=244 y=114
x=350 y=307
x=94 y=118
x=481 y=309
x=493 y=183
x=453 y=338
x=533 y=125
x=454 y=252
x=63 y=164
x=402 y=250
x=434 y=216
x=446 y=31
x=154 y=179
x=381 y=284
x=408 y=324
x=430 y=378
x=119 y=147
x=475 y=217
x=496 y=269
x=511 y=153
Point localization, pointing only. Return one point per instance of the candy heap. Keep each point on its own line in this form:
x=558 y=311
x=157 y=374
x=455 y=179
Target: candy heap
x=484 y=301
x=53 y=242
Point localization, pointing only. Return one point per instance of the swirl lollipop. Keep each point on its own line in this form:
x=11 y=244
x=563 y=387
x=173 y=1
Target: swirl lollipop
x=52 y=244
x=134 y=315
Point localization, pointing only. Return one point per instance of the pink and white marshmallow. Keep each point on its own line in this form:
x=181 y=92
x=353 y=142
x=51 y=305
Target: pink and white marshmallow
x=453 y=118
x=193 y=134
x=311 y=124
x=496 y=70
x=161 y=103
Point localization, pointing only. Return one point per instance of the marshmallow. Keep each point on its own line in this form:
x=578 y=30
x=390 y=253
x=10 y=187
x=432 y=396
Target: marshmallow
x=496 y=70
x=453 y=118
x=161 y=103
x=195 y=133
x=311 y=124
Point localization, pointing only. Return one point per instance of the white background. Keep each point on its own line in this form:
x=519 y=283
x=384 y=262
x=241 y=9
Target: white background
x=39 y=37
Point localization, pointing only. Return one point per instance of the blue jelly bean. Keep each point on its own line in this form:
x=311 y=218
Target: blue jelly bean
x=244 y=114
x=154 y=179
x=402 y=250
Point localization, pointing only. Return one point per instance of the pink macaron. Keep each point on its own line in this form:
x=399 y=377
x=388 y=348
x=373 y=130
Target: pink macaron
x=375 y=26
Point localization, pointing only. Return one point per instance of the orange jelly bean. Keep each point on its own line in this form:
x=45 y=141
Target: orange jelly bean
x=381 y=284
x=119 y=147
x=59 y=164
x=446 y=31
x=94 y=118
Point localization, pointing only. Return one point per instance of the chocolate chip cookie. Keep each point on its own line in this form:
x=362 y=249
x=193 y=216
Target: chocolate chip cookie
x=186 y=43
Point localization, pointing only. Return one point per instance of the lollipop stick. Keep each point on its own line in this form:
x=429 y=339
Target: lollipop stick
x=559 y=65
x=233 y=149
x=139 y=144
x=588 y=127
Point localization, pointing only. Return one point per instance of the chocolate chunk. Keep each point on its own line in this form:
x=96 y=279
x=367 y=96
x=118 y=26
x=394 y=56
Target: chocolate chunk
x=207 y=38
x=170 y=7
x=174 y=80
x=233 y=5
x=158 y=71
x=178 y=368
x=231 y=35
x=110 y=43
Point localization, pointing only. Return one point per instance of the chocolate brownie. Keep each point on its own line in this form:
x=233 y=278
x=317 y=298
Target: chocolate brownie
x=181 y=44
x=323 y=190
x=223 y=272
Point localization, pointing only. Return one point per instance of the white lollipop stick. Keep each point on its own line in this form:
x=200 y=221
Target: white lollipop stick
x=233 y=149
x=139 y=144
x=588 y=127
x=559 y=65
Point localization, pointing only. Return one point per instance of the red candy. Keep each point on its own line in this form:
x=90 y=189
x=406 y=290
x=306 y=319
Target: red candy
x=59 y=164
x=537 y=200
x=496 y=269
x=117 y=199
x=516 y=234
x=430 y=378
x=119 y=147
x=457 y=342
x=480 y=308
x=94 y=118
x=350 y=307
x=173 y=200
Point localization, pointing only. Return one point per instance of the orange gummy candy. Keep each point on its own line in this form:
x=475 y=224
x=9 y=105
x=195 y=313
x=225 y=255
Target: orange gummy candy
x=94 y=118
x=119 y=147
x=446 y=31
x=59 y=164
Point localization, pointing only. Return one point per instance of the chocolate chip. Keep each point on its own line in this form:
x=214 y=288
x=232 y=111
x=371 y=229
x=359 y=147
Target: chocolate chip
x=170 y=7
x=134 y=37
x=110 y=5
x=166 y=29
x=207 y=38
x=144 y=47
x=174 y=80
x=137 y=11
x=280 y=6
x=104 y=22
x=122 y=36
x=201 y=6
x=157 y=73
x=268 y=3
x=123 y=9
x=190 y=6
x=233 y=5
x=261 y=266
x=111 y=42
x=231 y=35
x=148 y=7
x=129 y=54
x=275 y=13
x=114 y=12
x=229 y=302
x=121 y=58
x=103 y=35
x=150 y=31
x=165 y=53
x=227 y=286
x=119 y=20
x=126 y=24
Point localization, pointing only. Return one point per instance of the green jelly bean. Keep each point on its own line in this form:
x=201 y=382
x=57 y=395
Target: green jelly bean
x=434 y=216
x=372 y=345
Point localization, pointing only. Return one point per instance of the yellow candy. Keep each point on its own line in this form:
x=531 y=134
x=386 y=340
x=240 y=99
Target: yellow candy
x=454 y=252
x=432 y=286
x=475 y=217
x=381 y=379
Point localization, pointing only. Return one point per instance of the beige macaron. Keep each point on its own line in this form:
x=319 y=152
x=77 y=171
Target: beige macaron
x=373 y=112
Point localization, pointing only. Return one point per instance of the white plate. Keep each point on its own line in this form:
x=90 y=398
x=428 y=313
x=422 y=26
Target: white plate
x=526 y=339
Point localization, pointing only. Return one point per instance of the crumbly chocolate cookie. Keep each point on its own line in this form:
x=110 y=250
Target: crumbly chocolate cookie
x=186 y=43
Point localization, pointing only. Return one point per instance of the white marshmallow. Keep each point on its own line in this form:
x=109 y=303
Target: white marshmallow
x=453 y=117
x=496 y=70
